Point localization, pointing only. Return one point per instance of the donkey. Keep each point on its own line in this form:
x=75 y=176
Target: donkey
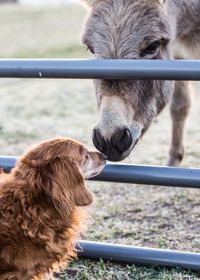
x=141 y=29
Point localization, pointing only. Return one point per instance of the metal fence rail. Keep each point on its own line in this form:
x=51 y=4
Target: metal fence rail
x=137 y=255
x=141 y=175
x=166 y=176
x=137 y=174
x=101 y=69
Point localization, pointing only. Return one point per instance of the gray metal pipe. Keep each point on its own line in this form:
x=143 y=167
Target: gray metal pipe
x=101 y=69
x=151 y=175
x=137 y=255
x=7 y=162
x=137 y=174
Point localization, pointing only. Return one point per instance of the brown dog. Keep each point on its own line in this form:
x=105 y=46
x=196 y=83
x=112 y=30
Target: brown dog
x=40 y=217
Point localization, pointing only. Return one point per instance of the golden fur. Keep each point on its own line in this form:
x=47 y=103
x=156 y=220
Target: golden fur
x=40 y=217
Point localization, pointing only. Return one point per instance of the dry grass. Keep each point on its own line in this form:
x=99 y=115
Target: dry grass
x=33 y=110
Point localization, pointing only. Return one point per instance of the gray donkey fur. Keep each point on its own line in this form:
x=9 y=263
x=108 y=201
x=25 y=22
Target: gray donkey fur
x=141 y=29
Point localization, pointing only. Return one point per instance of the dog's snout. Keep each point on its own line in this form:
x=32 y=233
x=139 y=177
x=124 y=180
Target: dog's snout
x=94 y=165
x=98 y=158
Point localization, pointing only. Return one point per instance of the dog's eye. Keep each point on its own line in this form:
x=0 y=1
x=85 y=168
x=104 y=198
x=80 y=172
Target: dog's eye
x=86 y=157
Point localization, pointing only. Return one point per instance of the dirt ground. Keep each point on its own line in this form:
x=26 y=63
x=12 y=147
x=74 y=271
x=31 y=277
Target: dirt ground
x=33 y=110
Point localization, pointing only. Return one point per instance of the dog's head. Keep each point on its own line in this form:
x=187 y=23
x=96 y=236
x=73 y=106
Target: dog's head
x=58 y=168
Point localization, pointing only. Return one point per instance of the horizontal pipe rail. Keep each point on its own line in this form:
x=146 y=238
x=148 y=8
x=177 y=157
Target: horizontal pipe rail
x=166 y=176
x=137 y=255
x=137 y=174
x=101 y=69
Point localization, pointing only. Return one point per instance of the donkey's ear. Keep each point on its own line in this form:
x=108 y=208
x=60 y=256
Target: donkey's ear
x=89 y=3
x=161 y=1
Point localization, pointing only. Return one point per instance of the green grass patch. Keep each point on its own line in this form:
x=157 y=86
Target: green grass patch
x=90 y=270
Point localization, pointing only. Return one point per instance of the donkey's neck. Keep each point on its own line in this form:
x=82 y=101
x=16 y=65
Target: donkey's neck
x=185 y=15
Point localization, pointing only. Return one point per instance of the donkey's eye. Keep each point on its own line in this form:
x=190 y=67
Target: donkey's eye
x=90 y=49
x=151 y=48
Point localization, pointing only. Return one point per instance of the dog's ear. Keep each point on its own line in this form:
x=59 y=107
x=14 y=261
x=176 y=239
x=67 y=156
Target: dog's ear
x=68 y=183
x=79 y=191
x=35 y=163
x=60 y=178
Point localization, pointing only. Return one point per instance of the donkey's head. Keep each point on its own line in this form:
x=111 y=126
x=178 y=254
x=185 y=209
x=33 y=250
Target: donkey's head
x=127 y=29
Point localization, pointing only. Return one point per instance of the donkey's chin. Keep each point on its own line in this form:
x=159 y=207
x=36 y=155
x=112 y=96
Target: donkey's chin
x=116 y=156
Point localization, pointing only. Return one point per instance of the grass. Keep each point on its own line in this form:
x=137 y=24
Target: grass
x=37 y=32
x=70 y=51
x=33 y=110
x=109 y=271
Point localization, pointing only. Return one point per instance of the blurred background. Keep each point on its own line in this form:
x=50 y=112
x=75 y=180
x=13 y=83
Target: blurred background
x=32 y=110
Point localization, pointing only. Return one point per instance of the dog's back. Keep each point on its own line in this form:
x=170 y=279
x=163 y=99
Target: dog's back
x=6 y=240
x=9 y=230
x=20 y=255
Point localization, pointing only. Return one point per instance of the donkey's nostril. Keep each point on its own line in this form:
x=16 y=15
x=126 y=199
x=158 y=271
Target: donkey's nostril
x=98 y=141
x=121 y=140
x=114 y=149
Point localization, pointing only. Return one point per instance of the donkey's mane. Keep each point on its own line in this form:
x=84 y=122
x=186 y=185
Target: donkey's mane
x=92 y=2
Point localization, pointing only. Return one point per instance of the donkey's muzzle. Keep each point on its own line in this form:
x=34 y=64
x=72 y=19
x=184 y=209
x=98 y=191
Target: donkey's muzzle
x=117 y=147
